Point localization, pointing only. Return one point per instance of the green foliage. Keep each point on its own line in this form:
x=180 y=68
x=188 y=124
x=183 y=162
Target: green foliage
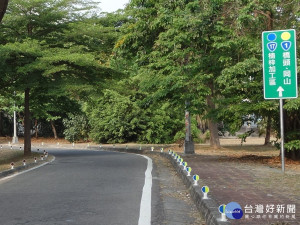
x=113 y=118
x=117 y=118
x=76 y=127
x=244 y=136
x=292 y=145
x=161 y=124
x=196 y=133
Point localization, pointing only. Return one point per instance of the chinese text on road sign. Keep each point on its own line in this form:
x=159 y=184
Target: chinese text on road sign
x=280 y=64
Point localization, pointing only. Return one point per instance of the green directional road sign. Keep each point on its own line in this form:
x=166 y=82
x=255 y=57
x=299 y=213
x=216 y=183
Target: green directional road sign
x=280 y=64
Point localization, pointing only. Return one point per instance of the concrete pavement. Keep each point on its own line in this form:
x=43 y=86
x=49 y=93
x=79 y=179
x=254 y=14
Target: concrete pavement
x=79 y=187
x=95 y=187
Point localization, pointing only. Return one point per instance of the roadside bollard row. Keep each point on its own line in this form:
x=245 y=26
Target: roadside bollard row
x=11 y=147
x=188 y=170
x=42 y=157
x=204 y=189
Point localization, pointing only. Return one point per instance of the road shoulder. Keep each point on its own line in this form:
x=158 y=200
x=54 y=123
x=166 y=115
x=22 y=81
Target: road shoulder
x=176 y=206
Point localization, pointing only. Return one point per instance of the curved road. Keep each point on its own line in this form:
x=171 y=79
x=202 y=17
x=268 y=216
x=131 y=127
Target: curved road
x=79 y=187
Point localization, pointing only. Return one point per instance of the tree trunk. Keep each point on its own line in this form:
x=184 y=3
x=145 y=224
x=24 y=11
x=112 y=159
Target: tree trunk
x=214 y=136
x=36 y=128
x=201 y=124
x=27 y=125
x=53 y=129
x=213 y=126
x=268 y=131
x=3 y=6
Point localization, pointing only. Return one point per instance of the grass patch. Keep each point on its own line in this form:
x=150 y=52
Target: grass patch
x=8 y=156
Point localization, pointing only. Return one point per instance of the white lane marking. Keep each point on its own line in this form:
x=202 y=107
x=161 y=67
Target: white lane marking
x=26 y=171
x=145 y=207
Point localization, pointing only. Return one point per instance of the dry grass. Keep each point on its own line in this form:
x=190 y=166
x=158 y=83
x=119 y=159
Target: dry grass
x=6 y=140
x=252 y=152
x=8 y=156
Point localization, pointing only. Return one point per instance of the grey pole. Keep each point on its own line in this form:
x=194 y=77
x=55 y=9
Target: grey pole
x=188 y=141
x=282 y=136
x=15 y=137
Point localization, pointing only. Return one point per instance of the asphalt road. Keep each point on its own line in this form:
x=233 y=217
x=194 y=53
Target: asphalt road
x=79 y=187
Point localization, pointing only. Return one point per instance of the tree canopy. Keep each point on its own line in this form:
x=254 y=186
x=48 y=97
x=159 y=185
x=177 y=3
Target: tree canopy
x=133 y=73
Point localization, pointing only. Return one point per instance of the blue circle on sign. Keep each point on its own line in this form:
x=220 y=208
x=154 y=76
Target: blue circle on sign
x=272 y=37
x=234 y=211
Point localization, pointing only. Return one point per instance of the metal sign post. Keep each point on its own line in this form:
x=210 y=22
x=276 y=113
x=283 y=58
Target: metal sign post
x=280 y=70
x=282 y=135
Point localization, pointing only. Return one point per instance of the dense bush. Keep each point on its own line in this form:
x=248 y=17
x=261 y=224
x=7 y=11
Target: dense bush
x=117 y=118
x=76 y=128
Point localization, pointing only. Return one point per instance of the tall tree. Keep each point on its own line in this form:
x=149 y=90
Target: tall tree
x=174 y=56
x=29 y=63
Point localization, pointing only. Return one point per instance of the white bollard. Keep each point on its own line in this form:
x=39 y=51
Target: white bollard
x=35 y=159
x=205 y=190
x=222 y=211
x=152 y=149
x=189 y=170
x=195 y=178
x=161 y=149
x=42 y=157
x=180 y=161
x=184 y=165
x=12 y=165
x=24 y=162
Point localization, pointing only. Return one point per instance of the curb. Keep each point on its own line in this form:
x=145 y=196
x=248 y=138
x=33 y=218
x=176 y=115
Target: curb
x=20 y=169
x=208 y=207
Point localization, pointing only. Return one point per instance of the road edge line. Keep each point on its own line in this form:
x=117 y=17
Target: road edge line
x=145 y=206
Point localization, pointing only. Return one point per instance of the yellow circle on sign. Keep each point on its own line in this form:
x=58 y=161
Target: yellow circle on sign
x=285 y=36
